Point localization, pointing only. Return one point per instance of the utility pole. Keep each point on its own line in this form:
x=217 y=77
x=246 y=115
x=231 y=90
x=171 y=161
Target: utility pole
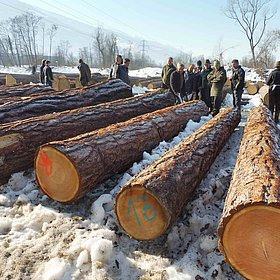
x=143 y=52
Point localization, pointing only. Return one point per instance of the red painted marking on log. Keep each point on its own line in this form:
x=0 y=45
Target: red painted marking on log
x=46 y=163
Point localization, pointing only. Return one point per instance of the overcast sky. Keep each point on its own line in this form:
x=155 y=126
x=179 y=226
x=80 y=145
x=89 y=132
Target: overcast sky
x=191 y=25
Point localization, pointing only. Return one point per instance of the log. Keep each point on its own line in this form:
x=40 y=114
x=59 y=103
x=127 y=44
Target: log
x=23 y=90
x=247 y=83
x=27 y=135
x=10 y=80
x=252 y=89
x=249 y=227
x=20 y=78
x=62 y=101
x=66 y=170
x=61 y=82
x=149 y=81
x=151 y=201
x=264 y=93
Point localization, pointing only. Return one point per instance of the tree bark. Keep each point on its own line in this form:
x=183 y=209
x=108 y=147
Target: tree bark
x=150 y=203
x=61 y=101
x=249 y=227
x=8 y=92
x=27 y=135
x=89 y=159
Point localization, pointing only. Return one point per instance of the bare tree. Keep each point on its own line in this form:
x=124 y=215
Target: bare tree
x=252 y=16
x=52 y=32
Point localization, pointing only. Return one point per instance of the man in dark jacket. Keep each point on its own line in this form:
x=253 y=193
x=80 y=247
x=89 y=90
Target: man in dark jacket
x=123 y=71
x=205 y=87
x=217 y=79
x=85 y=74
x=274 y=91
x=167 y=70
x=237 y=83
x=48 y=74
x=177 y=83
x=189 y=79
x=42 y=77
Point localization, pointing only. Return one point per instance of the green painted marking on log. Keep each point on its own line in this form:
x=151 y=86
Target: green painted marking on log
x=130 y=202
x=147 y=207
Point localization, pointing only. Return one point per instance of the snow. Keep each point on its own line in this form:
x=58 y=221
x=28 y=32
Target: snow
x=43 y=239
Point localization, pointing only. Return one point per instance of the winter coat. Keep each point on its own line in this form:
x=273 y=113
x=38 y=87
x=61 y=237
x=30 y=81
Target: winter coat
x=273 y=80
x=238 y=79
x=115 y=71
x=177 y=83
x=197 y=82
x=204 y=81
x=85 y=74
x=42 y=76
x=190 y=82
x=123 y=74
x=167 y=70
x=48 y=75
x=217 y=79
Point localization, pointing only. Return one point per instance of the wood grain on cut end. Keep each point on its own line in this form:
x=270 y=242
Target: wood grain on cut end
x=141 y=214
x=56 y=174
x=251 y=242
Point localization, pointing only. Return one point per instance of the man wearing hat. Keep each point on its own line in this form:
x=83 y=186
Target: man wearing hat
x=274 y=91
x=217 y=79
x=205 y=87
x=237 y=83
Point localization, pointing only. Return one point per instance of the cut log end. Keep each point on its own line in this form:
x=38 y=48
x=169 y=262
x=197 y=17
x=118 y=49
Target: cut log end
x=56 y=174
x=251 y=242
x=141 y=214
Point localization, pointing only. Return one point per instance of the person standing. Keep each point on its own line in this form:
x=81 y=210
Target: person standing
x=197 y=81
x=273 y=81
x=123 y=71
x=42 y=77
x=205 y=87
x=177 y=83
x=237 y=83
x=85 y=74
x=48 y=74
x=115 y=71
x=167 y=70
x=190 y=82
x=217 y=79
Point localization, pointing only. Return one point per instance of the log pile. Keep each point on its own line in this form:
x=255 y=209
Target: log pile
x=66 y=170
x=19 y=140
x=61 y=101
x=150 y=202
x=250 y=223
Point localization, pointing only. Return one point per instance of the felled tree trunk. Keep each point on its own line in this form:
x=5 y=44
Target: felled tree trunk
x=252 y=89
x=249 y=227
x=16 y=92
x=68 y=169
x=150 y=202
x=70 y=99
x=19 y=140
x=264 y=93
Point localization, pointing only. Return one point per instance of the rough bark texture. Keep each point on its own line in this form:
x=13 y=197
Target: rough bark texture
x=61 y=101
x=9 y=93
x=256 y=177
x=31 y=133
x=173 y=178
x=100 y=154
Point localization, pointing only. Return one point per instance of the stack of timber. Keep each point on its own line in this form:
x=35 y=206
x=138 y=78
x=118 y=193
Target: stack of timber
x=61 y=101
x=249 y=227
x=19 y=78
x=19 y=140
x=150 y=202
x=66 y=170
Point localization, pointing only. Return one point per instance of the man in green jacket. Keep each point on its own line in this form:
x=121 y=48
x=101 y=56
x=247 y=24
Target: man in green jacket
x=216 y=79
x=167 y=70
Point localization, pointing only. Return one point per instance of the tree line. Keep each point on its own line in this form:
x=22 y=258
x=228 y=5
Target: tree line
x=25 y=40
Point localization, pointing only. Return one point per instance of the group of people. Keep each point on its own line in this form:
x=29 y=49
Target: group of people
x=119 y=70
x=46 y=75
x=203 y=83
